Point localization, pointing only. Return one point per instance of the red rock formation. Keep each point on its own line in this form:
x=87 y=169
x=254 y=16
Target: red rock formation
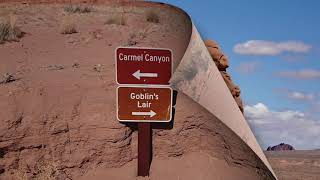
x=222 y=63
x=281 y=147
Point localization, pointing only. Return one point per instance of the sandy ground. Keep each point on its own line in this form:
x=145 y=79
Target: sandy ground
x=193 y=166
x=58 y=117
x=295 y=165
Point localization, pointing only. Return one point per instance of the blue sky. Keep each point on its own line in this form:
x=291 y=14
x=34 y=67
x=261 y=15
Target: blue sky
x=274 y=52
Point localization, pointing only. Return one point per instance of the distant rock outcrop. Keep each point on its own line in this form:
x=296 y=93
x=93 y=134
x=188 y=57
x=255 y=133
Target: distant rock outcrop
x=281 y=147
x=222 y=63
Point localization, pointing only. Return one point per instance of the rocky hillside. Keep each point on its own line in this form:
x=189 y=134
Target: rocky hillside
x=57 y=100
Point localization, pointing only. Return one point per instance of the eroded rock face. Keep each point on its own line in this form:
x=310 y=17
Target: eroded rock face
x=218 y=57
x=222 y=62
x=58 y=120
x=281 y=147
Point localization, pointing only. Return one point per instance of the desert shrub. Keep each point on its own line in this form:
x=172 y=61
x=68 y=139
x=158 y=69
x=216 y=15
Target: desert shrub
x=68 y=25
x=9 y=31
x=78 y=9
x=117 y=19
x=7 y=78
x=152 y=16
x=46 y=169
x=43 y=170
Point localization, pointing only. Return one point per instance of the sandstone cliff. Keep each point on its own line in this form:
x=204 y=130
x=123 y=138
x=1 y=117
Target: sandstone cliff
x=222 y=62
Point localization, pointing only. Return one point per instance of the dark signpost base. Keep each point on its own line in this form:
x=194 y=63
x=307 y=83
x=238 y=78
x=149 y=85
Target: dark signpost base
x=144 y=148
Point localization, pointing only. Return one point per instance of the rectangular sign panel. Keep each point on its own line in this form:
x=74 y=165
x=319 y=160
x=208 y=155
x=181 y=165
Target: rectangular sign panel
x=144 y=104
x=143 y=66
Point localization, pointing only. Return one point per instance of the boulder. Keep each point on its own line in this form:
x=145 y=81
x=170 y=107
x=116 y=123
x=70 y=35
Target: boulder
x=211 y=43
x=219 y=58
x=215 y=53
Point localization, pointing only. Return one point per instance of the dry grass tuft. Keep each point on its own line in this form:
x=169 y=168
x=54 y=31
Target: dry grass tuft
x=7 y=78
x=68 y=25
x=117 y=19
x=152 y=16
x=78 y=9
x=20 y=175
x=9 y=31
x=43 y=170
x=46 y=169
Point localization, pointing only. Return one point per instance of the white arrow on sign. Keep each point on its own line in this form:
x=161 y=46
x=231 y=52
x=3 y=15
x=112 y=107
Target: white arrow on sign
x=151 y=113
x=138 y=74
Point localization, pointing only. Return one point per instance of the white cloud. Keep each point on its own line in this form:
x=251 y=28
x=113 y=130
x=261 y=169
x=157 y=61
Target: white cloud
x=248 y=67
x=292 y=127
x=302 y=74
x=256 y=111
x=261 y=47
x=301 y=96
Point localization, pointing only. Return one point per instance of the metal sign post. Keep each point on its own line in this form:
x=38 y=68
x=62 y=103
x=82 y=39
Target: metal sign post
x=144 y=148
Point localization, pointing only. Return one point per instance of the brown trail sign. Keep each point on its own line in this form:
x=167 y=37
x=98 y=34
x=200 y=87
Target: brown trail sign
x=144 y=103
x=143 y=66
